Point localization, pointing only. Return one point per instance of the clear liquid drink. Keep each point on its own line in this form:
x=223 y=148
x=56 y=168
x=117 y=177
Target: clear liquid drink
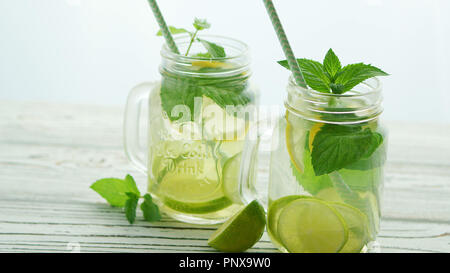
x=326 y=170
x=199 y=115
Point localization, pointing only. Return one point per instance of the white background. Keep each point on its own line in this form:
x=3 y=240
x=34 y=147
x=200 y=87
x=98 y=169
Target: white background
x=94 y=51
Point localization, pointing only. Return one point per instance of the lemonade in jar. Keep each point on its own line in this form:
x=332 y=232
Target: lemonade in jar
x=199 y=115
x=326 y=168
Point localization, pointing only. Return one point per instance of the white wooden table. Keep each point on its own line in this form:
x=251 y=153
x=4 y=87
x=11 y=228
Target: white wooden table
x=50 y=154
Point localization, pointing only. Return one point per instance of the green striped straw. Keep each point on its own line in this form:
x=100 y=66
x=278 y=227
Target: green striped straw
x=335 y=177
x=164 y=29
x=298 y=76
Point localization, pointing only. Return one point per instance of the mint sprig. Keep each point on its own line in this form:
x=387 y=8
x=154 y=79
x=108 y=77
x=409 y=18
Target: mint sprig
x=213 y=50
x=124 y=193
x=331 y=77
x=182 y=90
x=114 y=190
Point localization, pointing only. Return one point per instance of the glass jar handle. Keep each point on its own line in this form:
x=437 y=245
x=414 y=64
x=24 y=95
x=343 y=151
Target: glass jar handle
x=134 y=149
x=250 y=184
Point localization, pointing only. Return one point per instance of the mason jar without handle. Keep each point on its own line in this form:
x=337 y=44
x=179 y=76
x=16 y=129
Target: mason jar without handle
x=326 y=170
x=199 y=115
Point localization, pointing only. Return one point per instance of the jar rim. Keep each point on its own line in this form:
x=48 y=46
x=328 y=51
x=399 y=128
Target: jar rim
x=361 y=104
x=167 y=53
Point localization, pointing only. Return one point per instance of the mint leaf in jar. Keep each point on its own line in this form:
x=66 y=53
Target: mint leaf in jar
x=331 y=77
x=337 y=146
x=214 y=50
x=353 y=74
x=314 y=74
x=331 y=64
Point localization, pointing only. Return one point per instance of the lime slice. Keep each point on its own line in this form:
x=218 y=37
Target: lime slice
x=230 y=179
x=241 y=231
x=357 y=224
x=312 y=226
x=218 y=124
x=192 y=186
x=197 y=207
x=329 y=194
x=274 y=212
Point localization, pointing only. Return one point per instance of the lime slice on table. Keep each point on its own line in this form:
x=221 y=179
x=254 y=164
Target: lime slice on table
x=358 y=228
x=275 y=209
x=312 y=226
x=241 y=231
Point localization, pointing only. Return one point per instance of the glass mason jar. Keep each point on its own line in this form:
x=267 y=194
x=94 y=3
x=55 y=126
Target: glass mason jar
x=326 y=170
x=199 y=115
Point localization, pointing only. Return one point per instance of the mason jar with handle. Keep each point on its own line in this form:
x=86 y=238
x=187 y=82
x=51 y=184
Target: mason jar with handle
x=326 y=170
x=199 y=115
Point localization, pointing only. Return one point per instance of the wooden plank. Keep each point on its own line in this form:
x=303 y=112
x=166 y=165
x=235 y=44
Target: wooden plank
x=98 y=227
x=51 y=153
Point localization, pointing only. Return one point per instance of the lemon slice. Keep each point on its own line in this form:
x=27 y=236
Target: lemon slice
x=211 y=64
x=312 y=133
x=295 y=141
x=241 y=231
x=296 y=132
x=309 y=225
x=358 y=228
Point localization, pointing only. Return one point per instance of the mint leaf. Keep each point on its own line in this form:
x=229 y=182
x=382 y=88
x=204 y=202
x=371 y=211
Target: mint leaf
x=201 y=24
x=331 y=64
x=227 y=97
x=314 y=74
x=215 y=50
x=129 y=181
x=150 y=209
x=130 y=206
x=332 y=76
x=176 y=92
x=337 y=88
x=174 y=31
x=114 y=190
x=205 y=55
x=353 y=74
x=337 y=146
